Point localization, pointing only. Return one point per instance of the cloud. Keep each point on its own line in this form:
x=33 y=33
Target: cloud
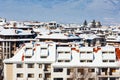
x=108 y=18
x=61 y=10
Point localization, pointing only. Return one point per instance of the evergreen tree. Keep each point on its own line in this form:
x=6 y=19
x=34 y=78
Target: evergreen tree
x=93 y=23
x=98 y=24
x=85 y=23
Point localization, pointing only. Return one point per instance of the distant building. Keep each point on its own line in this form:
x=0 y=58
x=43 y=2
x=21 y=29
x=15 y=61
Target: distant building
x=2 y=21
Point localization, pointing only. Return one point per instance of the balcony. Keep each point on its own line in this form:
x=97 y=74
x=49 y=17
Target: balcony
x=47 y=76
x=109 y=72
x=47 y=68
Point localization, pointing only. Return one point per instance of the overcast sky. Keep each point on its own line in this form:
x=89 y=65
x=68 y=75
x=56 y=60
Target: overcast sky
x=62 y=11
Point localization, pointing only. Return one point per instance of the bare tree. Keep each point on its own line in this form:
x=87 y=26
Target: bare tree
x=81 y=74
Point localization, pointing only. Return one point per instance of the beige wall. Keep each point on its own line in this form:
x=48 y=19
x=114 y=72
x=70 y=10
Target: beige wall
x=9 y=71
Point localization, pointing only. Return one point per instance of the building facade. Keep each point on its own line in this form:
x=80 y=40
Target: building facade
x=53 y=61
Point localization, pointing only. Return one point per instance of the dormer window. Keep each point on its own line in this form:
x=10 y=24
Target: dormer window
x=111 y=52
x=104 y=52
x=89 y=60
x=28 y=52
x=86 y=56
x=44 y=51
x=105 y=60
x=82 y=52
x=67 y=60
x=82 y=61
x=67 y=52
x=28 y=56
x=111 y=60
x=43 y=48
x=64 y=54
x=89 y=52
x=60 y=52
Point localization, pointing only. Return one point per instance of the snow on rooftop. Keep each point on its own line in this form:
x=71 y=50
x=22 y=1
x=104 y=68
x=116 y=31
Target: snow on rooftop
x=42 y=30
x=35 y=52
x=88 y=36
x=63 y=49
x=57 y=36
x=14 y=32
x=86 y=48
x=108 y=48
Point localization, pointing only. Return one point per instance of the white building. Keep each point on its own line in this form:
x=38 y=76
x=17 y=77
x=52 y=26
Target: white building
x=64 y=61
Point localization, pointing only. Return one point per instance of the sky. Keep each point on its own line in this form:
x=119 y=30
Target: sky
x=62 y=11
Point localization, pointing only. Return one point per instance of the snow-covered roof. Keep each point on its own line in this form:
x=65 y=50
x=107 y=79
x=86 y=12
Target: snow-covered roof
x=51 y=56
x=34 y=53
x=41 y=30
x=108 y=48
x=86 y=48
x=15 y=32
x=57 y=36
x=113 y=38
x=88 y=36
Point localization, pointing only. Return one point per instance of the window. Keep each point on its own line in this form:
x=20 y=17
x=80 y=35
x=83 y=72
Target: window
x=114 y=78
x=40 y=65
x=80 y=78
x=91 y=70
x=50 y=23
x=19 y=75
x=67 y=52
x=67 y=60
x=58 y=69
x=28 y=56
x=69 y=71
x=60 y=52
x=60 y=61
x=30 y=65
x=91 y=79
x=81 y=71
x=47 y=75
x=103 y=78
x=104 y=52
x=69 y=79
x=43 y=56
x=30 y=75
x=43 y=48
x=89 y=52
x=111 y=60
x=82 y=52
x=82 y=61
x=113 y=69
x=58 y=78
x=111 y=52
x=104 y=69
x=89 y=60
x=47 y=67
x=40 y=75
x=19 y=65
x=105 y=60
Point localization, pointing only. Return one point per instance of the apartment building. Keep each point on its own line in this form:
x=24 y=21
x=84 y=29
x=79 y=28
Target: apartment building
x=10 y=41
x=53 y=61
